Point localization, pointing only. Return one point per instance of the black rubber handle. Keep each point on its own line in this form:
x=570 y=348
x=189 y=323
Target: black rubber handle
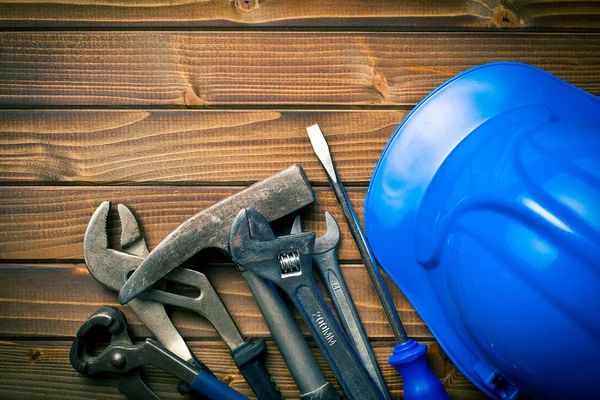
x=249 y=360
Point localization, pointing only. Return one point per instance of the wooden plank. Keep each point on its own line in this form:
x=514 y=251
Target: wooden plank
x=199 y=69
x=48 y=223
x=191 y=146
x=42 y=370
x=390 y=14
x=54 y=300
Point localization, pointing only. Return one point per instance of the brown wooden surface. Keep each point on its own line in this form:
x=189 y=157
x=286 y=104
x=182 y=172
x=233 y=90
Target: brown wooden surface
x=199 y=69
x=390 y=14
x=42 y=369
x=168 y=107
x=48 y=222
x=57 y=310
x=190 y=146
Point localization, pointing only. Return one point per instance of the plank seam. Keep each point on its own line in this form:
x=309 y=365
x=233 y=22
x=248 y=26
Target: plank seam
x=8 y=26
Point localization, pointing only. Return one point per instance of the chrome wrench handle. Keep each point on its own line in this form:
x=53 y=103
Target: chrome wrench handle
x=290 y=341
x=287 y=262
x=288 y=338
x=326 y=260
x=333 y=343
x=331 y=273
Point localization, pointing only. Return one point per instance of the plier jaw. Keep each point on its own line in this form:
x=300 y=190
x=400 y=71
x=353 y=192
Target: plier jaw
x=108 y=318
x=124 y=358
x=113 y=320
x=108 y=266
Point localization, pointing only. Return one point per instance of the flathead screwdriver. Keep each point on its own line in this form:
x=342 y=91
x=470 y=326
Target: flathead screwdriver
x=408 y=356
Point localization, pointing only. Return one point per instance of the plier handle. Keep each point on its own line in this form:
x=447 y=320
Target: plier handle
x=121 y=356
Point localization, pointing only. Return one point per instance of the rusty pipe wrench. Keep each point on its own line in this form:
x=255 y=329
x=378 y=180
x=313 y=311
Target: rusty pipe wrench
x=287 y=262
x=275 y=197
x=246 y=354
x=326 y=260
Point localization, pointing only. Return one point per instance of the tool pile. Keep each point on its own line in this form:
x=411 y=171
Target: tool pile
x=239 y=227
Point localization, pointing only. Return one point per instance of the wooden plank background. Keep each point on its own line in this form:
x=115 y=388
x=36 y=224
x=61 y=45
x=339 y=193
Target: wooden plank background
x=170 y=106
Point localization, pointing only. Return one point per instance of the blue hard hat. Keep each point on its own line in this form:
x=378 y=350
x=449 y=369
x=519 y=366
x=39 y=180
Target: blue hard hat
x=484 y=208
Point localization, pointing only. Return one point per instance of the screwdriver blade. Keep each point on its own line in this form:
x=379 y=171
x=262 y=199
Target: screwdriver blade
x=319 y=144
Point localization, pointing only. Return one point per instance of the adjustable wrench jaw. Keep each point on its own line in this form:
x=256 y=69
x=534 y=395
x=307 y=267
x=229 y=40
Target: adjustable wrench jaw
x=108 y=266
x=275 y=259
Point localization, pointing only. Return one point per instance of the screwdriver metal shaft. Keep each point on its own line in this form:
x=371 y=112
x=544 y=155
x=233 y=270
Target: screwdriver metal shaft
x=408 y=357
x=322 y=150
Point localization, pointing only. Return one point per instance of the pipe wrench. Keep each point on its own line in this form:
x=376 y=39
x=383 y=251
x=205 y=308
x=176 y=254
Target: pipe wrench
x=287 y=262
x=111 y=268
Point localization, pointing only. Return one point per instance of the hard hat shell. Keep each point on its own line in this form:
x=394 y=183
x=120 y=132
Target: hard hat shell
x=484 y=208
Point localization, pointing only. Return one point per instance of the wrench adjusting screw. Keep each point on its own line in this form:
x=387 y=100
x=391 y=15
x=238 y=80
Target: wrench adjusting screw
x=290 y=264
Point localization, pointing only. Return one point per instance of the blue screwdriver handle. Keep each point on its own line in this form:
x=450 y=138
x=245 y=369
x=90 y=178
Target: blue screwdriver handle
x=214 y=389
x=410 y=359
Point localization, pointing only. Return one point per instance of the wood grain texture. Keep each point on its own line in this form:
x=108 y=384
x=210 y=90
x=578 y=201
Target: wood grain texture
x=420 y=14
x=42 y=370
x=48 y=223
x=190 y=146
x=54 y=300
x=199 y=69
x=254 y=74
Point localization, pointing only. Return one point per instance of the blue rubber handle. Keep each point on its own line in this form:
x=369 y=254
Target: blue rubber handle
x=214 y=389
x=410 y=359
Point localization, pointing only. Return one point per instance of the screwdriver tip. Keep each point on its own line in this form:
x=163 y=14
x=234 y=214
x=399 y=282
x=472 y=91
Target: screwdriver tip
x=317 y=139
x=321 y=148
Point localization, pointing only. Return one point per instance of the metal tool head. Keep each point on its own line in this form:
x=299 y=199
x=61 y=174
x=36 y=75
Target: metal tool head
x=132 y=240
x=111 y=268
x=109 y=318
x=319 y=144
x=108 y=266
x=269 y=258
x=274 y=197
x=121 y=356
x=328 y=241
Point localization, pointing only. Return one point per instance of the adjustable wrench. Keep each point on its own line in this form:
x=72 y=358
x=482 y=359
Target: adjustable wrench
x=246 y=354
x=287 y=262
x=326 y=260
x=285 y=332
